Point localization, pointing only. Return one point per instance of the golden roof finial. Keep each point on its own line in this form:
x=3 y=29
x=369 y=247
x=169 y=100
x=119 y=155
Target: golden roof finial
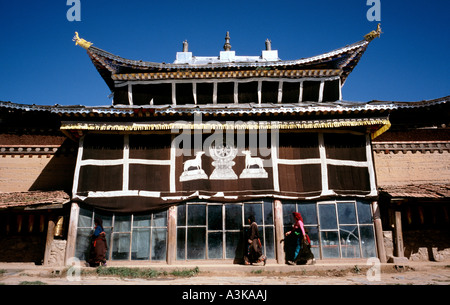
x=81 y=42
x=374 y=34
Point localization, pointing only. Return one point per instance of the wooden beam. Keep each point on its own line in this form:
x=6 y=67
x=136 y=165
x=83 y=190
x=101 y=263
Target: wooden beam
x=49 y=241
x=379 y=232
x=279 y=232
x=72 y=232
x=398 y=232
x=172 y=235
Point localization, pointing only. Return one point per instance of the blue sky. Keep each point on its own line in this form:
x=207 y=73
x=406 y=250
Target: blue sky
x=40 y=64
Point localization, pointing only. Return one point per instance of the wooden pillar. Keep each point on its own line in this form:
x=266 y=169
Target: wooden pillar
x=172 y=235
x=398 y=247
x=72 y=232
x=50 y=237
x=279 y=232
x=379 y=232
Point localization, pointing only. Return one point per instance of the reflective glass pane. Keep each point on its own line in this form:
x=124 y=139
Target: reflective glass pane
x=196 y=243
x=215 y=217
x=309 y=213
x=254 y=209
x=140 y=246
x=327 y=216
x=368 y=241
x=269 y=245
x=160 y=219
x=233 y=217
x=215 y=245
x=346 y=213
x=196 y=215
x=234 y=245
x=106 y=218
x=349 y=241
x=288 y=209
x=181 y=243
x=268 y=213
x=122 y=223
x=83 y=243
x=121 y=247
x=313 y=233
x=330 y=244
x=159 y=244
x=141 y=221
x=108 y=232
x=181 y=215
x=85 y=218
x=364 y=212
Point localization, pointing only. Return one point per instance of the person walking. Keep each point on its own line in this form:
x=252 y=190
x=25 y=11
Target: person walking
x=254 y=250
x=299 y=230
x=98 y=245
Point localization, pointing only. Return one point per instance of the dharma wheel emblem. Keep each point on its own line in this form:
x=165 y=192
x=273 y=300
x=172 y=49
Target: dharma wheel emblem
x=223 y=156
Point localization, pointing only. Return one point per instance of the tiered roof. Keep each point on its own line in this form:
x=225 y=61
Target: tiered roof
x=340 y=62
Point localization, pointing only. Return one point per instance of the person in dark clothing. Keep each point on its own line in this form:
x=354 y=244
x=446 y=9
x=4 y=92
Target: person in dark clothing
x=298 y=243
x=254 y=254
x=298 y=230
x=98 y=245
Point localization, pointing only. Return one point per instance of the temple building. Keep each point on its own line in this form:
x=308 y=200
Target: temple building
x=188 y=150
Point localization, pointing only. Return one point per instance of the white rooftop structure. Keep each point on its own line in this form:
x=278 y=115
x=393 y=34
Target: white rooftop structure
x=226 y=56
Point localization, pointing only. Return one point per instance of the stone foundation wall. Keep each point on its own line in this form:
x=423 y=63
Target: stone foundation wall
x=427 y=245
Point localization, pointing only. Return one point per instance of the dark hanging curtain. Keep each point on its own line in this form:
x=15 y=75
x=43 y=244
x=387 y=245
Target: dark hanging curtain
x=102 y=173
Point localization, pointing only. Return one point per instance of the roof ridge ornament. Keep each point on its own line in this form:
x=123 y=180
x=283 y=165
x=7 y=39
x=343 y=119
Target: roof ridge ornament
x=81 y=42
x=374 y=34
x=185 y=46
x=227 y=45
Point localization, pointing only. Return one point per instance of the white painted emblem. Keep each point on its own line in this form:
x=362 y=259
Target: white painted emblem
x=193 y=169
x=223 y=156
x=254 y=167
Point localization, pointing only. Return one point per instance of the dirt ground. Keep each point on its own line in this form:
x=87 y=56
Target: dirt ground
x=271 y=274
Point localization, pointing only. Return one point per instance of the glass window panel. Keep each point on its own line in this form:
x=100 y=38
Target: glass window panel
x=141 y=221
x=121 y=246
x=309 y=212
x=160 y=219
x=349 y=241
x=106 y=218
x=346 y=213
x=108 y=232
x=327 y=216
x=196 y=243
x=368 y=241
x=233 y=217
x=181 y=243
x=140 y=247
x=288 y=209
x=364 y=213
x=313 y=233
x=330 y=244
x=215 y=217
x=159 y=244
x=268 y=213
x=83 y=243
x=196 y=215
x=234 y=245
x=254 y=209
x=85 y=218
x=181 y=215
x=269 y=243
x=215 y=245
x=122 y=223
